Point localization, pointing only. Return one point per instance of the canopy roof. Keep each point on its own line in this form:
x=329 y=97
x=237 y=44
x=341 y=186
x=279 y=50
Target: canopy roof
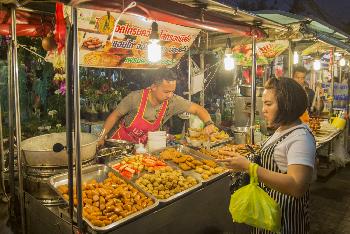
x=29 y=23
x=307 y=25
x=176 y=13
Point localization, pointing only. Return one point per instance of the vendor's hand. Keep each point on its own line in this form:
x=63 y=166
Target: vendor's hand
x=209 y=129
x=100 y=142
x=236 y=163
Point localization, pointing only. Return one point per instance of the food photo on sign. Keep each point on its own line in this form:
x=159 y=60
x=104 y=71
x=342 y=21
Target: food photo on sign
x=129 y=46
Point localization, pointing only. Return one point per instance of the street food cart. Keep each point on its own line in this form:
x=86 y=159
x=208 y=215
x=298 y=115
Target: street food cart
x=201 y=208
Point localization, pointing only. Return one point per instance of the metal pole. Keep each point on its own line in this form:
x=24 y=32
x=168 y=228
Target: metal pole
x=77 y=118
x=290 y=59
x=332 y=80
x=189 y=74
x=2 y=159
x=202 y=64
x=69 y=117
x=253 y=91
x=11 y=138
x=18 y=117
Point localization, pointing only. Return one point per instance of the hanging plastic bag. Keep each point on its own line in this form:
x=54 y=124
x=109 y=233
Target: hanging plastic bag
x=253 y=206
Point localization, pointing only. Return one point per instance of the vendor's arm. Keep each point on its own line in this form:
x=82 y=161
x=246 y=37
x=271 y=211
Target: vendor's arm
x=122 y=109
x=180 y=105
x=203 y=114
x=111 y=120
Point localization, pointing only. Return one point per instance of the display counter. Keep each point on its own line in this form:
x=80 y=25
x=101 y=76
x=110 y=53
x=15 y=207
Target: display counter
x=202 y=211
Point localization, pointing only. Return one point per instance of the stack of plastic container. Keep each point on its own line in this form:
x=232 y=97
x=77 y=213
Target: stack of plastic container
x=156 y=140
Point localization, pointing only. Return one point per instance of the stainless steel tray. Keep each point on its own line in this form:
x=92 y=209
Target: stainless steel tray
x=112 y=163
x=99 y=173
x=198 y=155
x=214 y=144
x=169 y=199
x=222 y=142
x=177 y=195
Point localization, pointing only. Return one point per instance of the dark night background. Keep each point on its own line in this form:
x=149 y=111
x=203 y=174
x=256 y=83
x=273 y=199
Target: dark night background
x=334 y=12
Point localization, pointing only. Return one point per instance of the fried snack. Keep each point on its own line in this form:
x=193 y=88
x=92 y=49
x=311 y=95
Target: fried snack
x=92 y=43
x=165 y=183
x=169 y=154
x=206 y=168
x=209 y=163
x=199 y=135
x=184 y=166
x=101 y=58
x=229 y=151
x=110 y=200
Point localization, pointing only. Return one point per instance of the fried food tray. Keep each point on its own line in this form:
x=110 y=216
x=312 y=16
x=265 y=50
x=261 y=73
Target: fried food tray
x=180 y=194
x=169 y=199
x=212 y=144
x=197 y=155
x=99 y=173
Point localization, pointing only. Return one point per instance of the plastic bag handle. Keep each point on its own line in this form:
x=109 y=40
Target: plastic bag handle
x=253 y=168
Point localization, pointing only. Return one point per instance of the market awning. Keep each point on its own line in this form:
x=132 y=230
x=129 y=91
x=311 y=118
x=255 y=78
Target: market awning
x=28 y=23
x=320 y=29
x=175 y=13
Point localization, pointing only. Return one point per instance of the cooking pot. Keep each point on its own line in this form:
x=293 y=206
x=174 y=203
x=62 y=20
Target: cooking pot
x=38 y=151
x=241 y=134
x=246 y=90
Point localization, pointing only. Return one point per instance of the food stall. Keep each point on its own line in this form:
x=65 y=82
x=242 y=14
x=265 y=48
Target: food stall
x=203 y=184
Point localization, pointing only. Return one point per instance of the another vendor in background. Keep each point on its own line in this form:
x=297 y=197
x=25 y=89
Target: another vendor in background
x=287 y=157
x=299 y=74
x=146 y=110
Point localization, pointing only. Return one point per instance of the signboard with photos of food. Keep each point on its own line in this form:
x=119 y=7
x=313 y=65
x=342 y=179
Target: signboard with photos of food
x=128 y=49
x=266 y=52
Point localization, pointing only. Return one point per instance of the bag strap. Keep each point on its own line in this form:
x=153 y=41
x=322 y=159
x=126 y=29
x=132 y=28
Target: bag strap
x=282 y=137
x=253 y=172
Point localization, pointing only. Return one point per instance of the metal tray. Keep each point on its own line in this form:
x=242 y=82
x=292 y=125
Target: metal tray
x=177 y=195
x=169 y=199
x=214 y=144
x=112 y=163
x=99 y=173
x=199 y=156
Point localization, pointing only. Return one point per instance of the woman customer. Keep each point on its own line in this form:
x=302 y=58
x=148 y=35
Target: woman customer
x=287 y=157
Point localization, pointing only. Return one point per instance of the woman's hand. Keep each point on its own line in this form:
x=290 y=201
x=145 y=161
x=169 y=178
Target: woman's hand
x=236 y=163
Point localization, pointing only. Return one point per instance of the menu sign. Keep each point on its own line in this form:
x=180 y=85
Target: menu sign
x=128 y=48
x=265 y=51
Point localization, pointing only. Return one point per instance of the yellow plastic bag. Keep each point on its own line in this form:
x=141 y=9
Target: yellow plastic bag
x=253 y=206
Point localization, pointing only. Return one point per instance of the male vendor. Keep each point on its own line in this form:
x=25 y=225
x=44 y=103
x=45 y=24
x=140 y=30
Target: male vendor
x=299 y=74
x=146 y=110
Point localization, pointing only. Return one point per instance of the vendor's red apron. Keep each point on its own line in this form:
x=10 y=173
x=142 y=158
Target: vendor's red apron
x=139 y=127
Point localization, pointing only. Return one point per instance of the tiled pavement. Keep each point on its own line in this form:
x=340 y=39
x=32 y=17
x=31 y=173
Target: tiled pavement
x=330 y=204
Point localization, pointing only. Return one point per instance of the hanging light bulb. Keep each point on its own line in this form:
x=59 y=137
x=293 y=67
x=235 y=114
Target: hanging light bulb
x=154 y=50
x=295 y=57
x=229 y=62
x=342 y=62
x=317 y=62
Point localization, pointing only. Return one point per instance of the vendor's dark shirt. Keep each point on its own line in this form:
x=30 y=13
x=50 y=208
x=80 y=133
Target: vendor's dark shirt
x=310 y=97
